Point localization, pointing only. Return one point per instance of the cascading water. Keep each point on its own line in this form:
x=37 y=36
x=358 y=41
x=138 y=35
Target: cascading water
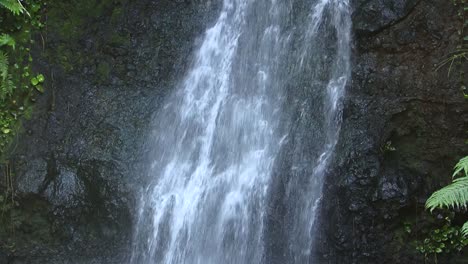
x=217 y=139
x=303 y=204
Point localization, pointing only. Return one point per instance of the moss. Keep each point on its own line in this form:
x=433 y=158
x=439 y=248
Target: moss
x=103 y=71
x=64 y=58
x=72 y=19
x=26 y=222
x=28 y=111
x=116 y=15
x=118 y=40
x=71 y=22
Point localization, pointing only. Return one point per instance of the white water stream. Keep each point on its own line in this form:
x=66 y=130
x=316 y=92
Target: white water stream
x=219 y=133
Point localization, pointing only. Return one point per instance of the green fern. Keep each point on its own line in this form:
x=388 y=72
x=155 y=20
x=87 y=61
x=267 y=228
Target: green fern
x=3 y=66
x=451 y=196
x=6 y=83
x=14 y=6
x=6 y=87
x=6 y=39
x=454 y=195
x=462 y=166
x=464 y=229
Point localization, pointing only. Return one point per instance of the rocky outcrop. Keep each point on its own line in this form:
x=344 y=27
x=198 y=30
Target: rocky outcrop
x=108 y=64
x=373 y=16
x=404 y=128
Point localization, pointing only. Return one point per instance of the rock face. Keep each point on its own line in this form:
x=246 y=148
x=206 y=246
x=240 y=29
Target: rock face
x=372 y=16
x=108 y=66
x=107 y=62
x=404 y=129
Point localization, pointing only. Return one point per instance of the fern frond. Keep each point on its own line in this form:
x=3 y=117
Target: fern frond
x=464 y=229
x=14 y=6
x=462 y=165
x=6 y=84
x=3 y=66
x=6 y=87
x=453 y=195
x=6 y=39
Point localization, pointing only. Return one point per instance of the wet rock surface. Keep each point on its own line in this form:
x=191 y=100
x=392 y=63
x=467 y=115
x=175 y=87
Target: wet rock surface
x=108 y=65
x=82 y=155
x=371 y=16
x=404 y=129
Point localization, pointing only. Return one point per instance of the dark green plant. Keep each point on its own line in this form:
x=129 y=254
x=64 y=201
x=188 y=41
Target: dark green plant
x=444 y=239
x=388 y=147
x=18 y=19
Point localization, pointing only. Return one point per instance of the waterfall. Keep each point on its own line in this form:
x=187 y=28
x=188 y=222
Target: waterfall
x=218 y=137
x=302 y=213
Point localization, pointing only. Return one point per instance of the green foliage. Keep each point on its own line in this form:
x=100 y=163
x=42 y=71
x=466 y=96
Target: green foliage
x=6 y=84
x=460 y=54
x=16 y=88
x=7 y=126
x=37 y=81
x=7 y=40
x=454 y=195
x=432 y=236
x=464 y=229
x=14 y=6
x=446 y=239
x=461 y=167
x=388 y=147
x=6 y=88
x=457 y=55
x=3 y=66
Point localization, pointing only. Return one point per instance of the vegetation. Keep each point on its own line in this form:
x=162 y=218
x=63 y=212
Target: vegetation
x=460 y=54
x=18 y=83
x=18 y=87
x=455 y=195
x=446 y=238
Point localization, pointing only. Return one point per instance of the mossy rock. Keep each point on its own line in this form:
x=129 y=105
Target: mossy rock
x=103 y=71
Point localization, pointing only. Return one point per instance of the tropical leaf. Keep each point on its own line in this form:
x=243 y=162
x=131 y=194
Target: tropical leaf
x=464 y=229
x=451 y=196
x=6 y=39
x=462 y=165
x=14 y=6
x=3 y=66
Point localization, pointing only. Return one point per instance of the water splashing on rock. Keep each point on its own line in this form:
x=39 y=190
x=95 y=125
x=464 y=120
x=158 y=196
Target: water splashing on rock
x=218 y=140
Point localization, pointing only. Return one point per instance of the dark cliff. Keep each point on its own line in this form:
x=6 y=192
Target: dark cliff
x=77 y=163
x=404 y=128
x=109 y=64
